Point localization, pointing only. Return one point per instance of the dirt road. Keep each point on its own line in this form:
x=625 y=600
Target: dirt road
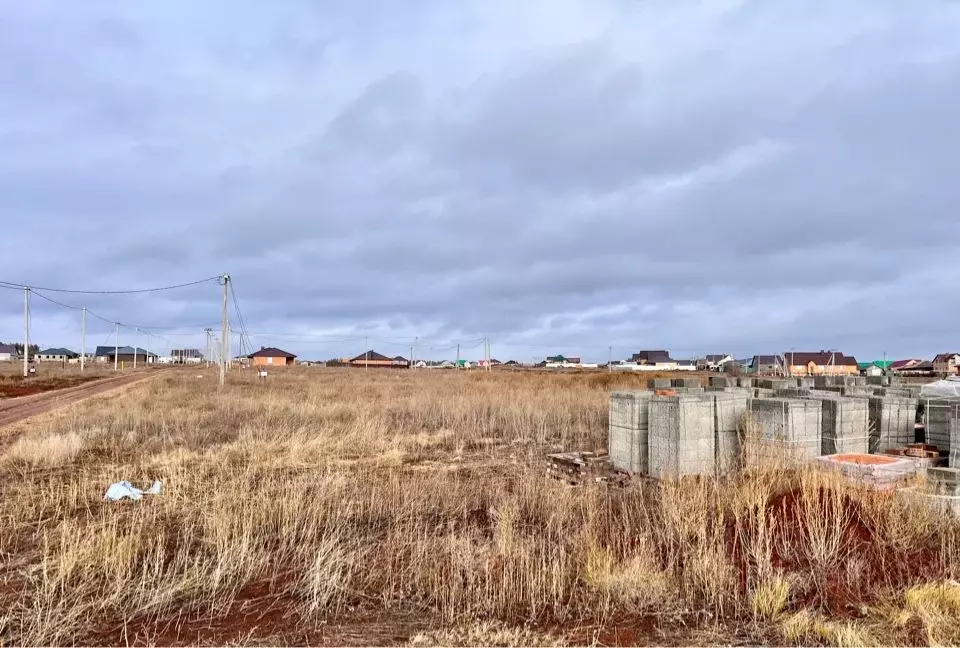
x=18 y=409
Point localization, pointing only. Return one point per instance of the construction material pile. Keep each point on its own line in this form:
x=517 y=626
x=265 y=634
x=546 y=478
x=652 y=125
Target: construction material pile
x=576 y=468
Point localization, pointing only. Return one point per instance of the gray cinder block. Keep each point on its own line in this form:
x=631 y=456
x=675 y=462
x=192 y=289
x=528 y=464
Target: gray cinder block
x=681 y=436
x=728 y=412
x=892 y=422
x=628 y=432
x=782 y=429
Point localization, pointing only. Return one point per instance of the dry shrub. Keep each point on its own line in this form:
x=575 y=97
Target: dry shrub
x=769 y=598
x=44 y=451
x=937 y=606
x=486 y=633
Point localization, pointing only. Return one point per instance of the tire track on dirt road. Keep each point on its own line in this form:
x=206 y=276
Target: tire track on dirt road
x=15 y=410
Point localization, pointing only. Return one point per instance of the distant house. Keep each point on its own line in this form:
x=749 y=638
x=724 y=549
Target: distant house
x=875 y=368
x=562 y=361
x=901 y=366
x=651 y=357
x=186 y=356
x=56 y=355
x=8 y=352
x=373 y=359
x=920 y=368
x=511 y=363
x=714 y=362
x=765 y=364
x=946 y=363
x=820 y=363
x=272 y=357
x=124 y=355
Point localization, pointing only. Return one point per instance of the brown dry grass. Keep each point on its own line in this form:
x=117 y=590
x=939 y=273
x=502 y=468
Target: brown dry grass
x=352 y=507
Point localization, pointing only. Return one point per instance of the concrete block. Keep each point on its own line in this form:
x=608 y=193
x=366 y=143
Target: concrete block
x=723 y=381
x=628 y=432
x=942 y=419
x=686 y=382
x=661 y=383
x=919 y=496
x=805 y=383
x=775 y=383
x=791 y=392
x=882 y=381
x=782 y=430
x=760 y=392
x=845 y=425
x=729 y=409
x=943 y=481
x=881 y=472
x=892 y=422
x=744 y=381
x=681 y=437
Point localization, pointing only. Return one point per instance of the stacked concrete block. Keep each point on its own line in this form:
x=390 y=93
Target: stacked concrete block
x=806 y=383
x=941 y=417
x=903 y=392
x=661 y=383
x=775 y=383
x=881 y=381
x=723 y=381
x=943 y=481
x=792 y=392
x=682 y=436
x=743 y=381
x=892 y=422
x=782 y=430
x=686 y=382
x=760 y=392
x=844 y=424
x=628 y=433
x=729 y=409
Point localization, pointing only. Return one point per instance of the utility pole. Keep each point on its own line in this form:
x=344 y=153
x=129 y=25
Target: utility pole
x=116 y=347
x=136 y=345
x=83 y=337
x=366 y=344
x=26 y=331
x=486 y=347
x=225 y=332
x=206 y=350
x=610 y=359
x=458 y=357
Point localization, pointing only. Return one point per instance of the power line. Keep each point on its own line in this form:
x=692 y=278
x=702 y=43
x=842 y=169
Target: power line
x=11 y=284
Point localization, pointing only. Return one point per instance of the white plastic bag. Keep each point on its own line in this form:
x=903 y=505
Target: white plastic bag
x=124 y=489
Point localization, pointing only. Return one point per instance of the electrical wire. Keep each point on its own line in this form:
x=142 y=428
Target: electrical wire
x=11 y=284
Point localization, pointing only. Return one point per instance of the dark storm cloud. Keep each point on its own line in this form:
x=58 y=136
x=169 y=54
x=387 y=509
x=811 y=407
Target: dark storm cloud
x=718 y=176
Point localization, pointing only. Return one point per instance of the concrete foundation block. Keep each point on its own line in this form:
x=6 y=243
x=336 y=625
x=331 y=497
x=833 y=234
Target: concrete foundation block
x=681 y=436
x=686 y=382
x=805 y=383
x=628 y=432
x=942 y=418
x=882 y=381
x=743 y=381
x=661 y=383
x=722 y=381
x=919 y=496
x=943 y=481
x=791 y=392
x=729 y=409
x=845 y=425
x=782 y=430
x=775 y=383
x=892 y=422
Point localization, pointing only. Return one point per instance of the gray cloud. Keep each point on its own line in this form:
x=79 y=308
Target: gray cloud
x=558 y=176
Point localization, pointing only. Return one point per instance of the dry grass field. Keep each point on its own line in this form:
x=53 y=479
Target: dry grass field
x=368 y=507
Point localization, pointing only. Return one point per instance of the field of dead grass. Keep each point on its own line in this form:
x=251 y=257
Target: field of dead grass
x=368 y=507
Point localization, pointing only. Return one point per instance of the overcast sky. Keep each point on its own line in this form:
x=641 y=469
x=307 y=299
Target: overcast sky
x=743 y=177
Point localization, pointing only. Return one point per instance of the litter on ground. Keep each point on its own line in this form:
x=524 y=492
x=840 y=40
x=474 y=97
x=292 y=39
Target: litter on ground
x=124 y=489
